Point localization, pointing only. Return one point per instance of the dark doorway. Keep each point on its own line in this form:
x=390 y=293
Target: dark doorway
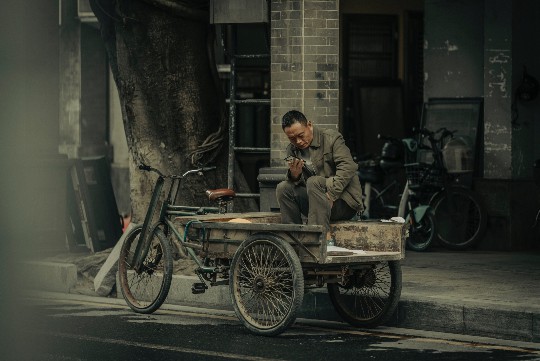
x=376 y=99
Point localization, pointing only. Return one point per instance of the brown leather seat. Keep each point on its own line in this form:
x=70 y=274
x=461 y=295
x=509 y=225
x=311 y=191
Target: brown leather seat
x=222 y=194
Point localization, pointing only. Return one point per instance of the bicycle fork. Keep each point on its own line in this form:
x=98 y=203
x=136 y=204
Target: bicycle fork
x=143 y=246
x=415 y=214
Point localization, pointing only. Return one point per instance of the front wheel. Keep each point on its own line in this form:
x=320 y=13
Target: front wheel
x=145 y=290
x=266 y=284
x=369 y=296
x=460 y=217
x=422 y=233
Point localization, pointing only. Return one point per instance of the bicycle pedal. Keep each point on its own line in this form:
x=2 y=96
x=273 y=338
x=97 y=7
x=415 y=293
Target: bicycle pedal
x=198 y=288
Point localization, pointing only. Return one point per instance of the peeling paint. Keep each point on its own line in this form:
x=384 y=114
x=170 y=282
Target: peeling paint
x=500 y=58
x=491 y=147
x=451 y=47
x=495 y=129
x=499 y=81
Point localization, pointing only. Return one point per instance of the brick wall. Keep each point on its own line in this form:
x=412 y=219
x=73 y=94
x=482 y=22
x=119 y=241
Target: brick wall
x=304 y=65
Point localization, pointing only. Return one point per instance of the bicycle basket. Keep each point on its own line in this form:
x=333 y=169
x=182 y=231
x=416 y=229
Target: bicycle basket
x=422 y=175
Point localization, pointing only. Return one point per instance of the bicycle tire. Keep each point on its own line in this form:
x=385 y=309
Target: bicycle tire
x=146 y=290
x=421 y=235
x=461 y=225
x=266 y=284
x=369 y=298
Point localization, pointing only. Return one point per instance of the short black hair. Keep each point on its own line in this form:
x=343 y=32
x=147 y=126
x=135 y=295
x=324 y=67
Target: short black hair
x=291 y=117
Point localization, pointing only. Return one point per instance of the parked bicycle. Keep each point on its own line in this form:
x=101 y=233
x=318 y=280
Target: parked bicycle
x=145 y=265
x=459 y=215
x=412 y=205
x=380 y=179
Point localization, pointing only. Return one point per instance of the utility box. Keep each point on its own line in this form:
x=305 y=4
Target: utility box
x=238 y=11
x=268 y=179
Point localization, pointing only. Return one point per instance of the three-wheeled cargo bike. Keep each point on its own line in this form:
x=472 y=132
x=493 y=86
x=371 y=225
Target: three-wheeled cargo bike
x=267 y=265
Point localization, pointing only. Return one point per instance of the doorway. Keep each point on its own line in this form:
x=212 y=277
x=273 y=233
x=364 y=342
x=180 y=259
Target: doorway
x=382 y=89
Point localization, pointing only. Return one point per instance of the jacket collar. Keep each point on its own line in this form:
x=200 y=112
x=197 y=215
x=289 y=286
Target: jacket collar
x=317 y=134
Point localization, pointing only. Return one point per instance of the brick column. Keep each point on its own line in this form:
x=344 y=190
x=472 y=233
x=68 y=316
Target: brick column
x=304 y=65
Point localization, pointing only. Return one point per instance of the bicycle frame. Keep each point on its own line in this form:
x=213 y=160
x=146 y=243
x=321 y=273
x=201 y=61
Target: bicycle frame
x=167 y=210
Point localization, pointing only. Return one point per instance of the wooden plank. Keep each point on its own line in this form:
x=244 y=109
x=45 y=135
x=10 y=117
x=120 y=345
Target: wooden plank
x=368 y=256
x=254 y=217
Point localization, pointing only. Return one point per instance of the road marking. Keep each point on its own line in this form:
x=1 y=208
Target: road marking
x=161 y=347
x=484 y=345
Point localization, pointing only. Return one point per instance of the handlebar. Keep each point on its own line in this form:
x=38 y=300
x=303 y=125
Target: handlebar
x=387 y=138
x=200 y=171
x=444 y=133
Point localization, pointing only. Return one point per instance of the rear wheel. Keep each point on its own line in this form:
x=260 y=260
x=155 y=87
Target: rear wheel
x=422 y=233
x=369 y=296
x=460 y=218
x=145 y=290
x=266 y=284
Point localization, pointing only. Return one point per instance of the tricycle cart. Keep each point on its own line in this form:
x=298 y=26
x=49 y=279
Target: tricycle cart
x=268 y=265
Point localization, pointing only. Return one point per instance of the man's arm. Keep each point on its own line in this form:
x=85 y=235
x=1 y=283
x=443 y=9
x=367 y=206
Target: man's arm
x=346 y=169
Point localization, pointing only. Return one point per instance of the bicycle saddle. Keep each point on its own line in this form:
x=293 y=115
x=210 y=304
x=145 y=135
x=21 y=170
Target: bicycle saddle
x=222 y=194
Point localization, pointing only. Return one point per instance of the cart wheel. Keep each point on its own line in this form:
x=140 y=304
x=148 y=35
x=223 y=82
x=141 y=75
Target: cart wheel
x=266 y=284
x=369 y=297
x=145 y=291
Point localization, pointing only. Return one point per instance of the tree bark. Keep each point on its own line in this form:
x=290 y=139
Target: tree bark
x=171 y=102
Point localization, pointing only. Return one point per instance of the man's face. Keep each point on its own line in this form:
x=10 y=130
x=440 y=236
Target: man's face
x=300 y=135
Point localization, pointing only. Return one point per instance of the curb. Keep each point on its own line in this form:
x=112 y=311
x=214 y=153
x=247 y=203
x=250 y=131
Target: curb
x=473 y=318
x=50 y=276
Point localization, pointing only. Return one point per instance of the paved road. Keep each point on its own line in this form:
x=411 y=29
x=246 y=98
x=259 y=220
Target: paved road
x=86 y=328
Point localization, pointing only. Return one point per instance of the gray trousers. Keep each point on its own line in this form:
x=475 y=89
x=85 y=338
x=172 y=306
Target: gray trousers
x=311 y=201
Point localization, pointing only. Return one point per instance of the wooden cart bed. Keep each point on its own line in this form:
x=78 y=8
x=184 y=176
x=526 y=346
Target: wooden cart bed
x=221 y=234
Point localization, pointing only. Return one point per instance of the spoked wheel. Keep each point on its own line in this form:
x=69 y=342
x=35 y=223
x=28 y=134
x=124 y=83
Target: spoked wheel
x=145 y=290
x=460 y=218
x=266 y=284
x=421 y=234
x=369 y=296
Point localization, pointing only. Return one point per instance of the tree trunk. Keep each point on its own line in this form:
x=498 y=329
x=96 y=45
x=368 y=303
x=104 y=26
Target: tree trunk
x=160 y=55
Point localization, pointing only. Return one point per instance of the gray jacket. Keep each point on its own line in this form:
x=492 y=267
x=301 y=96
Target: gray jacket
x=332 y=159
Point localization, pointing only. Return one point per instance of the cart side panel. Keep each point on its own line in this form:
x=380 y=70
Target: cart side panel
x=223 y=243
x=220 y=235
x=370 y=236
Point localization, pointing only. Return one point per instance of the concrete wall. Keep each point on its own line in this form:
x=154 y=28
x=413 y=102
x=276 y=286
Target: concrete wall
x=525 y=53
x=497 y=89
x=304 y=65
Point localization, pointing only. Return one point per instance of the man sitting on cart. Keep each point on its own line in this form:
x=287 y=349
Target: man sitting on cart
x=322 y=182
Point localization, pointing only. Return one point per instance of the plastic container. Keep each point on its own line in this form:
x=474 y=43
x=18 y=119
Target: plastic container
x=458 y=156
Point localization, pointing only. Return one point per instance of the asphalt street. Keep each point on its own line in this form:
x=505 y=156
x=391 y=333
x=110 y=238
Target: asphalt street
x=68 y=327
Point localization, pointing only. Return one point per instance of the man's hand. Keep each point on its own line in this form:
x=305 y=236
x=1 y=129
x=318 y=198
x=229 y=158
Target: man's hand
x=295 y=167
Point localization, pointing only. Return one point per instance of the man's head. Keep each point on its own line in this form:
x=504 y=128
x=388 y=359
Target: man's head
x=298 y=129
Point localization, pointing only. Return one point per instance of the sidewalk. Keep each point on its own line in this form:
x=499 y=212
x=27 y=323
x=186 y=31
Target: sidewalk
x=494 y=294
